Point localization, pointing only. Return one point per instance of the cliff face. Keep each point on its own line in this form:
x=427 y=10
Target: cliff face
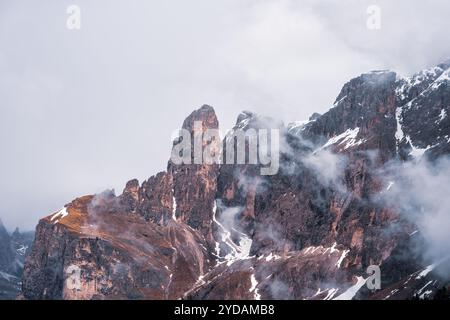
x=210 y=231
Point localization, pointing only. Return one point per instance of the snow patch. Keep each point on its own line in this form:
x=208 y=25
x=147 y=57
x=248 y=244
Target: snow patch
x=431 y=267
x=331 y=293
x=271 y=257
x=426 y=271
x=238 y=252
x=430 y=74
x=333 y=248
x=327 y=250
x=297 y=126
x=442 y=115
x=339 y=101
x=199 y=281
x=418 y=152
x=174 y=206
x=22 y=250
x=348 y=137
x=343 y=255
x=391 y=294
x=59 y=215
x=419 y=292
x=413 y=233
x=445 y=76
x=399 y=134
x=425 y=294
x=253 y=289
x=353 y=290
x=391 y=183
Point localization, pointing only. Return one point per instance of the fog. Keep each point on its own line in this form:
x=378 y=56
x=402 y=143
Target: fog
x=86 y=110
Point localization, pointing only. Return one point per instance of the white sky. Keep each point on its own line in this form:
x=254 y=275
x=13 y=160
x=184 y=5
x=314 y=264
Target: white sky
x=82 y=111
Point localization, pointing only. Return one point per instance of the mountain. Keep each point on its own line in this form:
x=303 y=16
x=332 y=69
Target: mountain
x=350 y=194
x=13 y=250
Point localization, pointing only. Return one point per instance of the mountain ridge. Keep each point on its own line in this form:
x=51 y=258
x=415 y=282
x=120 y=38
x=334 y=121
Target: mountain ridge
x=198 y=231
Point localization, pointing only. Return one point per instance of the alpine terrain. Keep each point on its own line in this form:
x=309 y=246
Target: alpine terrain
x=357 y=187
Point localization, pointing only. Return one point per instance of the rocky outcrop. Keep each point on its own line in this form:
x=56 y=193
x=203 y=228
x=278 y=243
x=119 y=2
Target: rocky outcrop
x=195 y=185
x=423 y=111
x=224 y=231
x=13 y=250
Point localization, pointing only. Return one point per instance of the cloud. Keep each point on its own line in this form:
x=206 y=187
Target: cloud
x=279 y=290
x=328 y=167
x=419 y=192
x=229 y=217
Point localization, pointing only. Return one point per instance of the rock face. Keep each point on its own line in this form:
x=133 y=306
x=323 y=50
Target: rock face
x=118 y=255
x=195 y=185
x=13 y=250
x=224 y=231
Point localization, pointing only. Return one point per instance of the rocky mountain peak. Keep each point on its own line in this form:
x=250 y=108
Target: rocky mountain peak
x=314 y=116
x=371 y=82
x=221 y=231
x=132 y=188
x=194 y=184
x=206 y=115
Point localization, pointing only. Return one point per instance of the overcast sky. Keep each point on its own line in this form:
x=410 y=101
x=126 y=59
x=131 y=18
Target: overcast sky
x=85 y=110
